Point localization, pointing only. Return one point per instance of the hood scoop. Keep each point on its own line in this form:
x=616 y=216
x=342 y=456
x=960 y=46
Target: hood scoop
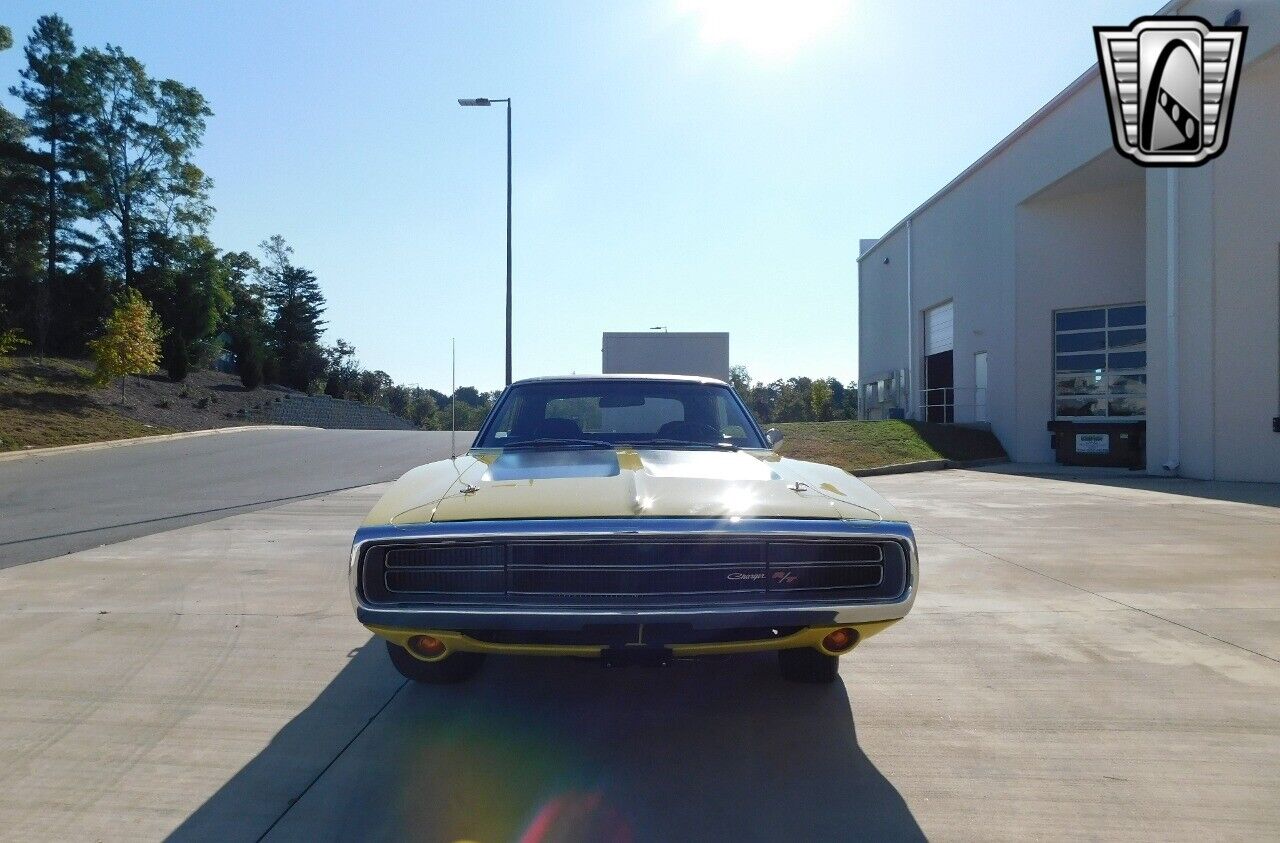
x=551 y=465
x=705 y=465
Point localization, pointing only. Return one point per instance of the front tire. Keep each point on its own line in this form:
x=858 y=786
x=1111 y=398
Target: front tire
x=808 y=665
x=454 y=667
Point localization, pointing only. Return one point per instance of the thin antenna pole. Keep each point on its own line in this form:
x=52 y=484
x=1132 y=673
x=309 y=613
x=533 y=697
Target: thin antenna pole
x=453 y=402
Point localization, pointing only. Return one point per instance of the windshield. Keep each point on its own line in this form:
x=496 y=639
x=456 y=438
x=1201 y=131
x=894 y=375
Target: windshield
x=604 y=413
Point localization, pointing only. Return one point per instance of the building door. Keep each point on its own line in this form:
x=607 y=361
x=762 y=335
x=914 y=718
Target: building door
x=939 y=368
x=980 y=386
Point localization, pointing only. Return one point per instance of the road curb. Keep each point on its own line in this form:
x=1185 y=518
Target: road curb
x=139 y=440
x=924 y=465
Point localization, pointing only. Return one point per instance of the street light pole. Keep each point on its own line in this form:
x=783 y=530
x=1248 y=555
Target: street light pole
x=483 y=101
x=508 y=241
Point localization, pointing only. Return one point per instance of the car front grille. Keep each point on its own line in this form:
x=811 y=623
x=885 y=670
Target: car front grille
x=633 y=570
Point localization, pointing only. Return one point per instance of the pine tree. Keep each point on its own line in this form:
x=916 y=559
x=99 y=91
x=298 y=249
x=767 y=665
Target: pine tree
x=130 y=345
x=296 y=303
x=51 y=91
x=22 y=233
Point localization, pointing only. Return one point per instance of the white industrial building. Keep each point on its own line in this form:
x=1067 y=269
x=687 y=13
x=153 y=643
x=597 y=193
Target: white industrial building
x=1056 y=284
x=701 y=353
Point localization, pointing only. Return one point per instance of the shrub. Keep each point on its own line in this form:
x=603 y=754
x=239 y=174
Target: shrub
x=130 y=345
x=10 y=340
x=202 y=403
x=250 y=368
x=176 y=360
x=270 y=369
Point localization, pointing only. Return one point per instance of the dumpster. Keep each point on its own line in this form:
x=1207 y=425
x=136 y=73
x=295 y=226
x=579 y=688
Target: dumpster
x=1118 y=444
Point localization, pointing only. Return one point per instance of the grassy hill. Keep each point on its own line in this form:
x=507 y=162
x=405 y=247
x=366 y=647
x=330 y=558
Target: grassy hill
x=854 y=445
x=54 y=402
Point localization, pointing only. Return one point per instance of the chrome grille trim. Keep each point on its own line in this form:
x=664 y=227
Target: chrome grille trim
x=800 y=608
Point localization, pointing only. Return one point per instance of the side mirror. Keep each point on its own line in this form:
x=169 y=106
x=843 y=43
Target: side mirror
x=774 y=437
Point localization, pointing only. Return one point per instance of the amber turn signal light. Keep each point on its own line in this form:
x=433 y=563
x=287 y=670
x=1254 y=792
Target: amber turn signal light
x=427 y=646
x=840 y=640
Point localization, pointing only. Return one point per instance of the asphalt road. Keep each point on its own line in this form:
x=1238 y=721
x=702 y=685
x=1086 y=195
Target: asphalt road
x=61 y=503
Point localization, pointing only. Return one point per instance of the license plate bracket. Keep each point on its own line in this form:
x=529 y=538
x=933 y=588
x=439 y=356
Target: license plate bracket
x=636 y=655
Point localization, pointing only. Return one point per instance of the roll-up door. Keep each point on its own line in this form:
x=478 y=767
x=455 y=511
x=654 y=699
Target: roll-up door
x=939 y=329
x=939 y=372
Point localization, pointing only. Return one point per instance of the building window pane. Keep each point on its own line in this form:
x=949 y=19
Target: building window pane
x=1082 y=405
x=1128 y=360
x=1100 y=362
x=1089 y=384
x=1088 y=341
x=1126 y=316
x=1081 y=362
x=1128 y=338
x=1127 y=384
x=1127 y=407
x=1076 y=320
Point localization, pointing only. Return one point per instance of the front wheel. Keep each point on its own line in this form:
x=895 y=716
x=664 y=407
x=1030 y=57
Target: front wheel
x=454 y=667
x=808 y=665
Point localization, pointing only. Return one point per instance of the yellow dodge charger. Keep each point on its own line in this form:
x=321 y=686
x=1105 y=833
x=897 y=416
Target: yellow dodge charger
x=628 y=518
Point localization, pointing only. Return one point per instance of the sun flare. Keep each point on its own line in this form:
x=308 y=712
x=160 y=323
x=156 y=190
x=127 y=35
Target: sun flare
x=764 y=28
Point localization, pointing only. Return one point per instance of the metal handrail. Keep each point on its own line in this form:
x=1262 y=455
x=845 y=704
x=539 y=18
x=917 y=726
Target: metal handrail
x=943 y=399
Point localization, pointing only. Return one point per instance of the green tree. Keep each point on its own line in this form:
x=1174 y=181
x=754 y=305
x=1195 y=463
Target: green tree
x=11 y=339
x=422 y=409
x=343 y=371
x=51 y=91
x=792 y=402
x=130 y=343
x=740 y=380
x=837 y=397
x=139 y=136
x=761 y=403
x=296 y=304
x=850 y=402
x=84 y=296
x=22 y=233
x=175 y=359
x=820 y=400
x=187 y=284
x=246 y=318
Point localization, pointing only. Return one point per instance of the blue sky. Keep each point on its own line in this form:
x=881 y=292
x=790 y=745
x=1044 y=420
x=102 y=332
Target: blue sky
x=699 y=164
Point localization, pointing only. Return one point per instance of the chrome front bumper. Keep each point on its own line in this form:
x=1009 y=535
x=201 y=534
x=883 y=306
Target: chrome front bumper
x=503 y=617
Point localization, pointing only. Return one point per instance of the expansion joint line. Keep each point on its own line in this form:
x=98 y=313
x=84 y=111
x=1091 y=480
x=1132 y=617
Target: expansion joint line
x=295 y=800
x=1149 y=614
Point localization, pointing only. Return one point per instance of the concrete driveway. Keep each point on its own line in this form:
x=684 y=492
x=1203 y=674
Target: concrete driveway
x=1086 y=660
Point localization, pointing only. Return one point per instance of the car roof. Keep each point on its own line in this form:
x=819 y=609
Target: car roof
x=620 y=377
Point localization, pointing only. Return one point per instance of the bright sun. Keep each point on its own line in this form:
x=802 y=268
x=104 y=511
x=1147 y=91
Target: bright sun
x=765 y=28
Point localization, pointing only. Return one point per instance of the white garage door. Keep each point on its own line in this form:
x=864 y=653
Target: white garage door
x=939 y=329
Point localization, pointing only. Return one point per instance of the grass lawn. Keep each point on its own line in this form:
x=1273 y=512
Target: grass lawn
x=53 y=402
x=854 y=445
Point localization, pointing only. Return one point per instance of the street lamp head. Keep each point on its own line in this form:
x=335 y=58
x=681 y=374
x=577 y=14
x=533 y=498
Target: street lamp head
x=477 y=101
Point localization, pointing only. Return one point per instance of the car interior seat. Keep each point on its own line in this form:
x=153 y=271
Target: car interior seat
x=557 y=428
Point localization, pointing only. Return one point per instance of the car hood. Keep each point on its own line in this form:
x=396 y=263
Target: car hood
x=496 y=485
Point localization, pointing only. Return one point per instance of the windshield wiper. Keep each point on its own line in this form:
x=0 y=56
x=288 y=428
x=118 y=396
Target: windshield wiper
x=685 y=443
x=556 y=442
